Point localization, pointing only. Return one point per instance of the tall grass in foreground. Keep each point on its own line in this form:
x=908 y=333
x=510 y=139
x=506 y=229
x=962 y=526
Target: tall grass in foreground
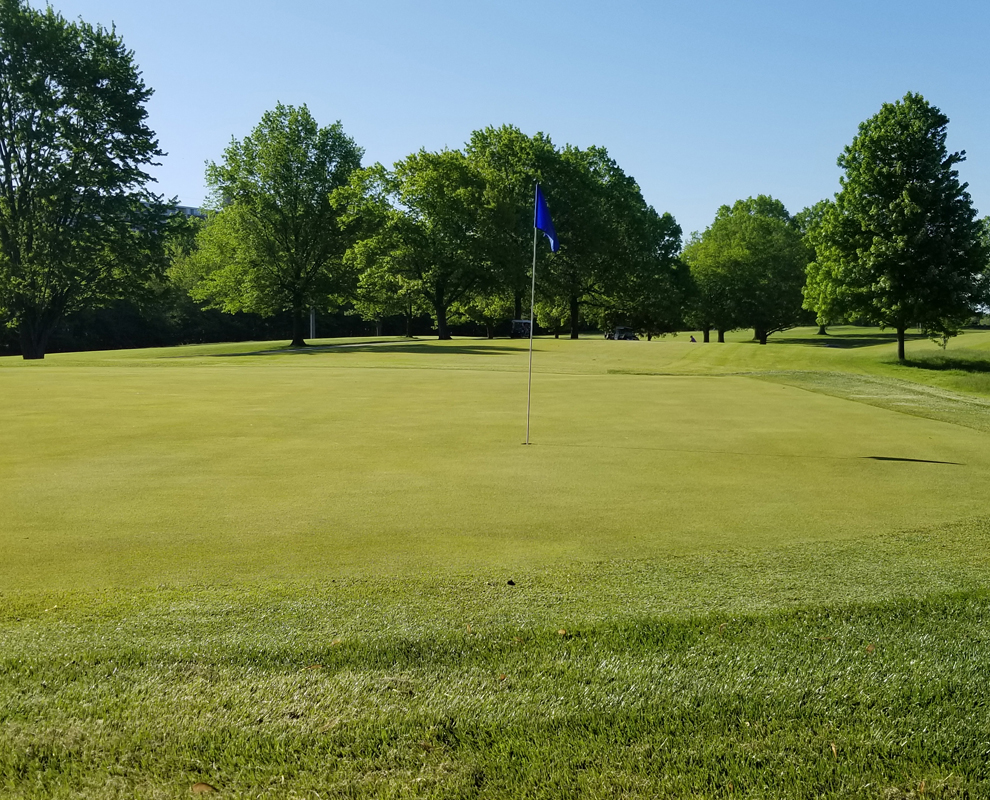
x=723 y=675
x=887 y=700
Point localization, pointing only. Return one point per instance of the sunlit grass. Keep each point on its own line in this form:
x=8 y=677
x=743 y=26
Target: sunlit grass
x=720 y=571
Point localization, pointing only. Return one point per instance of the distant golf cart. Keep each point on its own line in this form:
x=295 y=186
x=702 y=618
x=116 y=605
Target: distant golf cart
x=520 y=329
x=623 y=333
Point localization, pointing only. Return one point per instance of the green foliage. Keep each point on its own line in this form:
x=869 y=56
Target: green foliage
x=489 y=308
x=275 y=241
x=381 y=291
x=748 y=268
x=611 y=240
x=710 y=297
x=511 y=164
x=553 y=315
x=458 y=228
x=654 y=288
x=821 y=295
x=420 y=223
x=77 y=228
x=901 y=245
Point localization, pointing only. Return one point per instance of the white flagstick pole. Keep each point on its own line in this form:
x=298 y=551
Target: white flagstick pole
x=532 y=303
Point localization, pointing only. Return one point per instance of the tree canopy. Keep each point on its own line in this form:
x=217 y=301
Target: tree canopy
x=421 y=223
x=78 y=229
x=611 y=241
x=749 y=268
x=901 y=245
x=295 y=224
x=275 y=240
x=510 y=164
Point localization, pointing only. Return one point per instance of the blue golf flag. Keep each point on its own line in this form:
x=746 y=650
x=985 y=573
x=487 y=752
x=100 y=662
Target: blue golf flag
x=542 y=221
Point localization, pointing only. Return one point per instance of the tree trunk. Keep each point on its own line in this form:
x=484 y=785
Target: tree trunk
x=761 y=335
x=649 y=337
x=441 y=312
x=409 y=318
x=518 y=305
x=34 y=339
x=378 y=327
x=490 y=329
x=706 y=335
x=900 y=344
x=821 y=331
x=721 y=336
x=297 y=326
x=575 y=316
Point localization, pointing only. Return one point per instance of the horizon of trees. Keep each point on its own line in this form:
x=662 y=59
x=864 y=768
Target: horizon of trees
x=297 y=225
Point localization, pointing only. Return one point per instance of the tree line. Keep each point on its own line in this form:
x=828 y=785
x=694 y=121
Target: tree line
x=295 y=223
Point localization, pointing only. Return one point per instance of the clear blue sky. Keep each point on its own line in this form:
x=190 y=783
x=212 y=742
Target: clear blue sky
x=703 y=102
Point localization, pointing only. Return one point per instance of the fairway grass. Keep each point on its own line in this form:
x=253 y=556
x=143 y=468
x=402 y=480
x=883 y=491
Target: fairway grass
x=736 y=571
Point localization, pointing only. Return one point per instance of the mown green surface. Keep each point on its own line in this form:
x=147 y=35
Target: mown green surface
x=287 y=572
x=197 y=466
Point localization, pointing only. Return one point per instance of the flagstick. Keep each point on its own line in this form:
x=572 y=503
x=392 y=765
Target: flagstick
x=532 y=303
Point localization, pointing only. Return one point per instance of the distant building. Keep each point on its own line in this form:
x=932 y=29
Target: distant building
x=190 y=211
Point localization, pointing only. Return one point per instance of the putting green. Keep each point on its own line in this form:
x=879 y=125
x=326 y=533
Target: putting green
x=398 y=461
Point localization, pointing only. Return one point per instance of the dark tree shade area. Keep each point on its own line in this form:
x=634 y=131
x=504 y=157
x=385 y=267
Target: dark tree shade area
x=126 y=324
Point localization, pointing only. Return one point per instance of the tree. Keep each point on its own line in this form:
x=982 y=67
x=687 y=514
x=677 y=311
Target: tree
x=709 y=301
x=901 y=244
x=749 y=266
x=78 y=229
x=651 y=293
x=553 y=315
x=488 y=308
x=819 y=297
x=600 y=216
x=275 y=240
x=422 y=219
x=381 y=291
x=511 y=163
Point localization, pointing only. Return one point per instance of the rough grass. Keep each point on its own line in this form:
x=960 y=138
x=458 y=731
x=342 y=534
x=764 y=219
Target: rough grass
x=843 y=670
x=736 y=571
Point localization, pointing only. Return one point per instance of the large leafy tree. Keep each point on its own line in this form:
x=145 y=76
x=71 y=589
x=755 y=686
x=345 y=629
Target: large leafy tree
x=489 y=306
x=901 y=244
x=276 y=240
x=78 y=229
x=651 y=292
x=749 y=266
x=604 y=227
x=511 y=163
x=709 y=303
x=421 y=223
x=382 y=291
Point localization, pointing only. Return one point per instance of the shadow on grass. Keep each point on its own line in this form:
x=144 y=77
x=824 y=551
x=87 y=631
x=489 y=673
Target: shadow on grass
x=950 y=362
x=848 y=341
x=435 y=348
x=809 y=456
x=913 y=460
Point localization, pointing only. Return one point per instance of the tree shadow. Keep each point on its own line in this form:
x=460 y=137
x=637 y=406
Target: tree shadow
x=848 y=341
x=950 y=362
x=419 y=348
x=913 y=460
